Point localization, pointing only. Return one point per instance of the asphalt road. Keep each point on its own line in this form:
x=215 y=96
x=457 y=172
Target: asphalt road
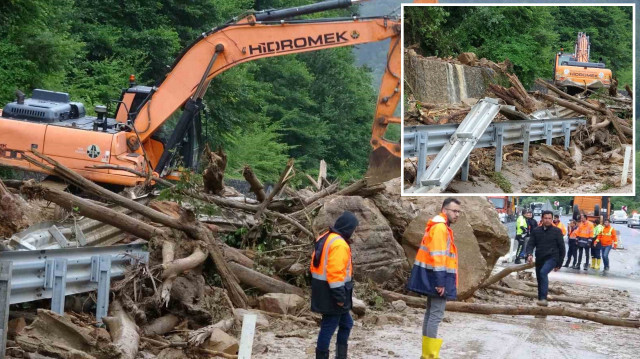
x=624 y=264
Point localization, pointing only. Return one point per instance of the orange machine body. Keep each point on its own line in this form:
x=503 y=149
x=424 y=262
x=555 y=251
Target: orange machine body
x=575 y=70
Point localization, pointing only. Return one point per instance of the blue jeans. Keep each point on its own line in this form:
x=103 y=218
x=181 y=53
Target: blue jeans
x=605 y=255
x=542 y=275
x=328 y=326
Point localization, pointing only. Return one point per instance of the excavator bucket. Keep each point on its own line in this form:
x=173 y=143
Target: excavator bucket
x=383 y=166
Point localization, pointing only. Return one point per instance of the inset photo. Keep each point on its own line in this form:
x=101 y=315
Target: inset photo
x=518 y=99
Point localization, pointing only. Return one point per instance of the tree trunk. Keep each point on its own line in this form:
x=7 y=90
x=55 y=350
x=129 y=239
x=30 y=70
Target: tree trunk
x=505 y=272
x=213 y=175
x=564 y=103
x=474 y=308
x=123 y=330
x=254 y=182
x=92 y=210
x=264 y=283
x=555 y=298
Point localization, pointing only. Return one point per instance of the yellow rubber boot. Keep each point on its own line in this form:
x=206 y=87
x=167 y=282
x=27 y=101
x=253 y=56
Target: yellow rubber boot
x=593 y=263
x=598 y=261
x=431 y=348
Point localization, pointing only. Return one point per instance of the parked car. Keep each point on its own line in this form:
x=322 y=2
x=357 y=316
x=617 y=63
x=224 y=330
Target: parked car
x=634 y=221
x=619 y=216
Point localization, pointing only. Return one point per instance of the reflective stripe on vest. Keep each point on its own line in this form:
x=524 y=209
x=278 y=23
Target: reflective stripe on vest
x=325 y=256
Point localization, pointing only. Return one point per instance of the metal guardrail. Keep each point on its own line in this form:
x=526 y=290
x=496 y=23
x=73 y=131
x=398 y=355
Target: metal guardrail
x=41 y=274
x=425 y=140
x=455 y=151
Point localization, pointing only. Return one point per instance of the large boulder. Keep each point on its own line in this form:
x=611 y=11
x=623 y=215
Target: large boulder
x=376 y=254
x=280 y=302
x=479 y=236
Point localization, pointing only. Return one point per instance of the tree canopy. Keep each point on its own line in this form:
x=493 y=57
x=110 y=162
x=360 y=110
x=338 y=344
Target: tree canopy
x=529 y=36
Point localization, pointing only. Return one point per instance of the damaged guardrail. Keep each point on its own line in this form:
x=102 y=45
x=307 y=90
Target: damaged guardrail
x=425 y=140
x=41 y=274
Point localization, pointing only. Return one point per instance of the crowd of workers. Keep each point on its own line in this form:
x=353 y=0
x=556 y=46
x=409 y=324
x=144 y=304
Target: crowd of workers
x=435 y=269
x=584 y=238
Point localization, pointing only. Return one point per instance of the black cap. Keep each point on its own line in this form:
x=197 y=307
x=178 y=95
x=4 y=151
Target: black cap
x=345 y=225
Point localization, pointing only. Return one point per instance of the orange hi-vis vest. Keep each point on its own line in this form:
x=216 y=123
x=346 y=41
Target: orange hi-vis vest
x=585 y=230
x=436 y=263
x=573 y=232
x=608 y=236
x=335 y=262
x=562 y=228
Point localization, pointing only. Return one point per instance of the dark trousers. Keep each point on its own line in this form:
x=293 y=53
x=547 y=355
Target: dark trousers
x=572 y=252
x=520 y=250
x=595 y=251
x=586 y=255
x=605 y=255
x=542 y=275
x=328 y=326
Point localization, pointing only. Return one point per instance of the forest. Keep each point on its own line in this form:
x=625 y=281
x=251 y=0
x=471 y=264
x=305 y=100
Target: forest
x=309 y=107
x=529 y=36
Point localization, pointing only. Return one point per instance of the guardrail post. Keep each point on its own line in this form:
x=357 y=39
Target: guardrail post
x=464 y=171
x=548 y=130
x=101 y=273
x=6 y=268
x=59 y=285
x=499 y=144
x=566 y=128
x=526 y=129
x=625 y=166
x=421 y=144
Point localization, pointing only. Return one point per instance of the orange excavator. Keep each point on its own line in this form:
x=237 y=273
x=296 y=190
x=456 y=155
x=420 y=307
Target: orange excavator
x=575 y=71
x=124 y=150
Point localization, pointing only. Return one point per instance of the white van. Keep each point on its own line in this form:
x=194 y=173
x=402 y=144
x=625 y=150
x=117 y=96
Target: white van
x=619 y=216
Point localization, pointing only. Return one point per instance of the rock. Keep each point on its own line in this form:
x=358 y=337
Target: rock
x=479 y=236
x=468 y=58
x=171 y=353
x=376 y=255
x=60 y=337
x=359 y=307
x=383 y=319
x=399 y=305
x=15 y=326
x=544 y=171
x=297 y=269
x=262 y=321
x=514 y=283
x=222 y=342
x=280 y=302
x=469 y=101
x=447 y=320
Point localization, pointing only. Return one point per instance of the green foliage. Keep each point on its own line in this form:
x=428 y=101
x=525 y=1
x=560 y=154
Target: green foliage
x=257 y=144
x=541 y=32
x=502 y=182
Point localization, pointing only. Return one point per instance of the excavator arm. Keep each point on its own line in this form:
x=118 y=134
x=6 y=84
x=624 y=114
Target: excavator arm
x=251 y=39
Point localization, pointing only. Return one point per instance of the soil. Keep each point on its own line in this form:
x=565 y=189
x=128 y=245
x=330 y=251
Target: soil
x=505 y=336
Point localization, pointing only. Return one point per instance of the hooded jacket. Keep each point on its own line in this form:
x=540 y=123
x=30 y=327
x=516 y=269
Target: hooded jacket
x=332 y=269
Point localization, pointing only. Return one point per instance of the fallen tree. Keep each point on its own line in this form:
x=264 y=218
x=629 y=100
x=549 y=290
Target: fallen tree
x=474 y=308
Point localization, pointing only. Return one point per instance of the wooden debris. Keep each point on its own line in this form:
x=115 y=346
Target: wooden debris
x=254 y=182
x=213 y=175
x=474 y=308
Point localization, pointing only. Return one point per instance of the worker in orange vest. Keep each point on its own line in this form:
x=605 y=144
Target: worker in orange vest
x=585 y=238
x=557 y=223
x=572 y=242
x=332 y=286
x=607 y=238
x=435 y=273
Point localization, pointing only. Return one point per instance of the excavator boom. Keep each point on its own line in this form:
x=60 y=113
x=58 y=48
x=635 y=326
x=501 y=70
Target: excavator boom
x=121 y=150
